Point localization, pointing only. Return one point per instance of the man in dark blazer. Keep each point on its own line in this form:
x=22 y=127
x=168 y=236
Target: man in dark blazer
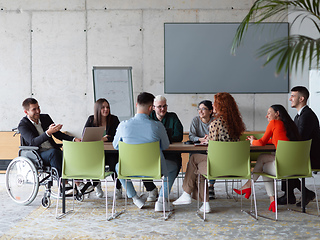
x=37 y=129
x=308 y=126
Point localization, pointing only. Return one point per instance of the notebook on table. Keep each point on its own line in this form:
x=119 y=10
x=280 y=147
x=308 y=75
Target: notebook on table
x=91 y=134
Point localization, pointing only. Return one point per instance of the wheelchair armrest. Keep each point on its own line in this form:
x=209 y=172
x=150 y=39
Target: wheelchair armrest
x=28 y=148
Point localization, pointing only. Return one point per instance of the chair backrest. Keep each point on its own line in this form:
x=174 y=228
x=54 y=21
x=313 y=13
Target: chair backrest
x=136 y=160
x=228 y=160
x=293 y=159
x=253 y=156
x=83 y=160
x=257 y=135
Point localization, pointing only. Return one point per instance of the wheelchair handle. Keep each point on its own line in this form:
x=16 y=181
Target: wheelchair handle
x=16 y=131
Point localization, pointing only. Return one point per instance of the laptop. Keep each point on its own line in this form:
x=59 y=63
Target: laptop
x=91 y=134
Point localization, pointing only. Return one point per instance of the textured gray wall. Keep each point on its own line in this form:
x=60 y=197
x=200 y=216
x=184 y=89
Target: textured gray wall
x=48 y=50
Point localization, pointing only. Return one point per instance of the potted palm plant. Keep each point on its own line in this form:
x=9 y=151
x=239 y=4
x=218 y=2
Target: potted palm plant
x=290 y=50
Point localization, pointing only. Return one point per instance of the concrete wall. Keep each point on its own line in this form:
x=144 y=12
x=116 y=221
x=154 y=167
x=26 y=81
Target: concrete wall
x=49 y=47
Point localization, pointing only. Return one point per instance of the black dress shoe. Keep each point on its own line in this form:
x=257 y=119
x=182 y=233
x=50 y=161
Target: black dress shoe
x=310 y=196
x=283 y=200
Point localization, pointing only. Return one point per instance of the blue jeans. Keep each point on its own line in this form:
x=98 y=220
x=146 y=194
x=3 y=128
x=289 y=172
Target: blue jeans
x=172 y=173
x=53 y=158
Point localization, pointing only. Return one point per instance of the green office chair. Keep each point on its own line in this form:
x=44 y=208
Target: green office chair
x=140 y=161
x=227 y=161
x=292 y=160
x=83 y=160
x=253 y=156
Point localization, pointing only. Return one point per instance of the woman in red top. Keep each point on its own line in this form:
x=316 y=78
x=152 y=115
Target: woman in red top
x=280 y=127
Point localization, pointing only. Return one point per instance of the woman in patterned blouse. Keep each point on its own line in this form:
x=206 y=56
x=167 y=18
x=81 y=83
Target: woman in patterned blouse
x=227 y=126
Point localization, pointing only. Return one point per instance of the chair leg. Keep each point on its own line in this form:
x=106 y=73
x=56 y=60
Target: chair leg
x=168 y=191
x=226 y=186
x=163 y=198
x=58 y=197
x=254 y=199
x=106 y=190
x=114 y=198
x=241 y=196
x=126 y=198
x=178 y=183
x=114 y=212
x=315 y=191
x=204 y=198
x=73 y=187
x=165 y=217
x=57 y=205
x=275 y=197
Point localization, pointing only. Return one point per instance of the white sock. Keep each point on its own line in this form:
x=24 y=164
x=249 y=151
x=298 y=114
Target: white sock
x=207 y=205
x=186 y=194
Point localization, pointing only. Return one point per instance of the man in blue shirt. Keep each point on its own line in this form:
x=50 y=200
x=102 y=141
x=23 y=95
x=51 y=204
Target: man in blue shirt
x=142 y=129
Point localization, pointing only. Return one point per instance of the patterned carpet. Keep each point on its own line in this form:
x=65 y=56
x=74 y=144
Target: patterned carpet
x=226 y=221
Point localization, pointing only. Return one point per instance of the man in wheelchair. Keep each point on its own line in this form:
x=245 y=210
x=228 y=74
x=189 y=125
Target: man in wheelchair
x=37 y=129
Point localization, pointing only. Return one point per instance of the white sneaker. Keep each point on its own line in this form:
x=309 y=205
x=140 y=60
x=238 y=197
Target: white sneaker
x=159 y=207
x=99 y=191
x=138 y=201
x=118 y=193
x=208 y=209
x=70 y=191
x=153 y=195
x=185 y=198
x=88 y=190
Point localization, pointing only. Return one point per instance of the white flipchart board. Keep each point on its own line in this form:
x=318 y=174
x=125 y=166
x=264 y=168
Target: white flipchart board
x=115 y=85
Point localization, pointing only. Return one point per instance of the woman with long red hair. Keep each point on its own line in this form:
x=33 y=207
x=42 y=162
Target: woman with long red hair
x=227 y=127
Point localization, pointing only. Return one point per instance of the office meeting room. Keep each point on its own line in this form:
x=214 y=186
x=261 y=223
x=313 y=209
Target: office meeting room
x=160 y=119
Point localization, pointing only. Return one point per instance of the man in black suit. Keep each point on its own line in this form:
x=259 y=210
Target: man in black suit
x=308 y=126
x=37 y=129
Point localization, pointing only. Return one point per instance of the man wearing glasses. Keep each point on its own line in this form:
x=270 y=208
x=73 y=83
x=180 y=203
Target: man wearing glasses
x=174 y=129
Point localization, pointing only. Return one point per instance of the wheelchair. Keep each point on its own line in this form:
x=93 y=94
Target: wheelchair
x=26 y=173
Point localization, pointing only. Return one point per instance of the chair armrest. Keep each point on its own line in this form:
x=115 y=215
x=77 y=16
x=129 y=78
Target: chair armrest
x=28 y=148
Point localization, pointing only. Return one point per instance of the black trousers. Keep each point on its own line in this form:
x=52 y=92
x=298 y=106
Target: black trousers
x=292 y=184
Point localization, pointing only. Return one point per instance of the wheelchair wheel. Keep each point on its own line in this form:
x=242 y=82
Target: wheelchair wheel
x=79 y=197
x=22 y=182
x=46 y=202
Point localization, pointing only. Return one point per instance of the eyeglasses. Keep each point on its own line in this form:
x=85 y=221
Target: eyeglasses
x=159 y=107
x=202 y=109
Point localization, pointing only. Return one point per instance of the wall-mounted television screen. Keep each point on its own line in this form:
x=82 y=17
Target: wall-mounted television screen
x=197 y=59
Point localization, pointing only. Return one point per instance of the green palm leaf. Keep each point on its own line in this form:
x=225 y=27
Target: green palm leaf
x=289 y=51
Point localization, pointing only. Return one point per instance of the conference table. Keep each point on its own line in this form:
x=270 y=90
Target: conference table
x=181 y=147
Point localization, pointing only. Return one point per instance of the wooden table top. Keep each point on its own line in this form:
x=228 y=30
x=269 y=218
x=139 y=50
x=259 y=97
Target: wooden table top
x=189 y=148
